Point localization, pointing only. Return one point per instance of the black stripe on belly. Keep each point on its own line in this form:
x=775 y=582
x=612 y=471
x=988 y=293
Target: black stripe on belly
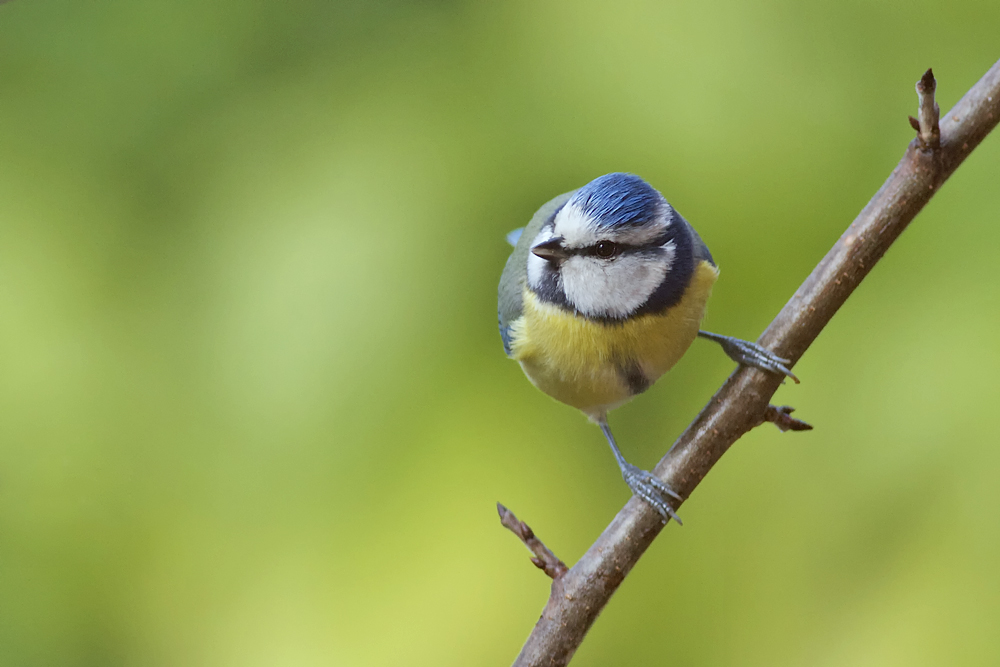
x=634 y=378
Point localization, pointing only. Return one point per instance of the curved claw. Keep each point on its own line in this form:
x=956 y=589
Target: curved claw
x=651 y=489
x=751 y=354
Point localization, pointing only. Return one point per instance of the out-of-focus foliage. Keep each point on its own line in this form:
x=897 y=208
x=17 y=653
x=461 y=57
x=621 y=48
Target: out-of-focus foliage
x=253 y=405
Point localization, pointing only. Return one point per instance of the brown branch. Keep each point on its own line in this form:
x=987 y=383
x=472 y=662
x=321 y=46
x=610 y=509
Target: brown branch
x=543 y=559
x=739 y=405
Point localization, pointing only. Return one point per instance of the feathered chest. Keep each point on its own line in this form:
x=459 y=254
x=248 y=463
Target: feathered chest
x=595 y=365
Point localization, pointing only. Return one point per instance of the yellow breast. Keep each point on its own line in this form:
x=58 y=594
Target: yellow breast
x=591 y=365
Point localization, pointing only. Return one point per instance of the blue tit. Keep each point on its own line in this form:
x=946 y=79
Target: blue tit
x=604 y=292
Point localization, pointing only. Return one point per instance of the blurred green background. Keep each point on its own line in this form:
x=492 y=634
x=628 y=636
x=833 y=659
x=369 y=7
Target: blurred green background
x=254 y=409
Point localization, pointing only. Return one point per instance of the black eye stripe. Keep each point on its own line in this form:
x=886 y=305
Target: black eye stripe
x=623 y=248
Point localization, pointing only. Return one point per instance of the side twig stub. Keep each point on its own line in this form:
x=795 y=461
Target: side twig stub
x=543 y=557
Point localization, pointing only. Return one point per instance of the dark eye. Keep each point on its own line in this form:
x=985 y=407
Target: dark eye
x=606 y=249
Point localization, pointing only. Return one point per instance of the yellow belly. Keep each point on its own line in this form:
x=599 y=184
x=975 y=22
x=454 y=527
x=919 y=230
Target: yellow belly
x=579 y=361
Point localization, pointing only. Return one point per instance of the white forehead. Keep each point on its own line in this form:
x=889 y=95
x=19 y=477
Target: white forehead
x=580 y=230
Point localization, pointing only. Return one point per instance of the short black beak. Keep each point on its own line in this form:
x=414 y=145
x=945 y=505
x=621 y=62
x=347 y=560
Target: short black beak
x=551 y=250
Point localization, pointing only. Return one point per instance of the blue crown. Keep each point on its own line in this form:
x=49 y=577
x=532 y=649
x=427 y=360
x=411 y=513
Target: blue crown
x=617 y=200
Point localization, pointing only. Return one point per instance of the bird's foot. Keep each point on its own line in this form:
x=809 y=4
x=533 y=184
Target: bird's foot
x=648 y=487
x=751 y=354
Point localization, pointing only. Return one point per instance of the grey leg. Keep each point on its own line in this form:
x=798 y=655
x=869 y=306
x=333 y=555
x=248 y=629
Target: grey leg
x=642 y=482
x=750 y=354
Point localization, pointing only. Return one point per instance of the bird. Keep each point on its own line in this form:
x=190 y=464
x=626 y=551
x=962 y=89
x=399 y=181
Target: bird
x=604 y=292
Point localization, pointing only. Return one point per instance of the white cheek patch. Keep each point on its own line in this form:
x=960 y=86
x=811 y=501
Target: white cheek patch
x=599 y=288
x=536 y=269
